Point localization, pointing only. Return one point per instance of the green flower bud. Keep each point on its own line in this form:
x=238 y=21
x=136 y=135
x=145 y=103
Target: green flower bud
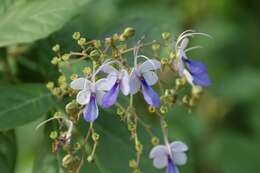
x=56 y=48
x=76 y=35
x=74 y=76
x=132 y=164
x=155 y=141
x=55 y=60
x=97 y=43
x=163 y=109
x=94 y=54
x=53 y=135
x=82 y=41
x=166 y=35
x=50 y=85
x=156 y=47
x=128 y=32
x=95 y=136
x=119 y=111
x=90 y=159
x=87 y=71
x=164 y=61
x=137 y=171
x=65 y=57
x=131 y=126
x=172 y=55
x=151 y=109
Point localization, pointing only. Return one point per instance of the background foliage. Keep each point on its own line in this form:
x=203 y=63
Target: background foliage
x=223 y=133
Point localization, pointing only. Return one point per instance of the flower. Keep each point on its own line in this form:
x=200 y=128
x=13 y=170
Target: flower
x=194 y=71
x=144 y=77
x=118 y=79
x=90 y=94
x=169 y=156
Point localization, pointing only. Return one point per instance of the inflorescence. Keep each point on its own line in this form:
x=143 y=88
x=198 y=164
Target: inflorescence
x=111 y=70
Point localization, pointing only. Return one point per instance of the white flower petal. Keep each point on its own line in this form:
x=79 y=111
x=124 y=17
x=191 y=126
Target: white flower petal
x=104 y=84
x=125 y=83
x=158 y=150
x=83 y=97
x=179 y=158
x=160 y=162
x=80 y=84
x=188 y=76
x=149 y=65
x=150 y=77
x=135 y=83
x=178 y=146
x=109 y=69
x=99 y=96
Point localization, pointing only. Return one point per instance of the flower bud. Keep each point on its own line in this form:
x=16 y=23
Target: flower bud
x=128 y=32
x=82 y=41
x=97 y=43
x=131 y=126
x=50 y=85
x=74 y=76
x=137 y=171
x=119 y=111
x=76 y=35
x=172 y=55
x=65 y=57
x=94 y=54
x=90 y=159
x=151 y=109
x=164 y=61
x=166 y=35
x=95 y=136
x=55 y=60
x=155 y=141
x=163 y=109
x=132 y=164
x=87 y=71
x=156 y=47
x=56 y=48
x=53 y=135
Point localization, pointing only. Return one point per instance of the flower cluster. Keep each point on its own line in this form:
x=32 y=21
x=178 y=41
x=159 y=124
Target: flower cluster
x=111 y=72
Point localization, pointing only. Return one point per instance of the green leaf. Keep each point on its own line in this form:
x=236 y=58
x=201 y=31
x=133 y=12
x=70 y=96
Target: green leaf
x=8 y=151
x=23 y=21
x=23 y=103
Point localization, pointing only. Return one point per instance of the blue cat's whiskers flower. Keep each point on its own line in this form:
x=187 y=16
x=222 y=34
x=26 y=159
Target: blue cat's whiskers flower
x=169 y=156
x=90 y=94
x=119 y=80
x=194 y=71
x=143 y=77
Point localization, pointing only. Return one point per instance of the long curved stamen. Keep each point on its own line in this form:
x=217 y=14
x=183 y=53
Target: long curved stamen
x=145 y=57
x=107 y=62
x=48 y=120
x=192 y=48
x=190 y=35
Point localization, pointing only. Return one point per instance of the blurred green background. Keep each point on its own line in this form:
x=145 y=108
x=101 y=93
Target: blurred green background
x=223 y=133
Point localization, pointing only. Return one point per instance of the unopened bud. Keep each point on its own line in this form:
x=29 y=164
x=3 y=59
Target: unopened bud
x=76 y=35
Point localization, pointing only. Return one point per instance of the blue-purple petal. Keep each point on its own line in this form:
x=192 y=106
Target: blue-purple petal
x=199 y=72
x=91 y=110
x=110 y=97
x=150 y=96
x=171 y=167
